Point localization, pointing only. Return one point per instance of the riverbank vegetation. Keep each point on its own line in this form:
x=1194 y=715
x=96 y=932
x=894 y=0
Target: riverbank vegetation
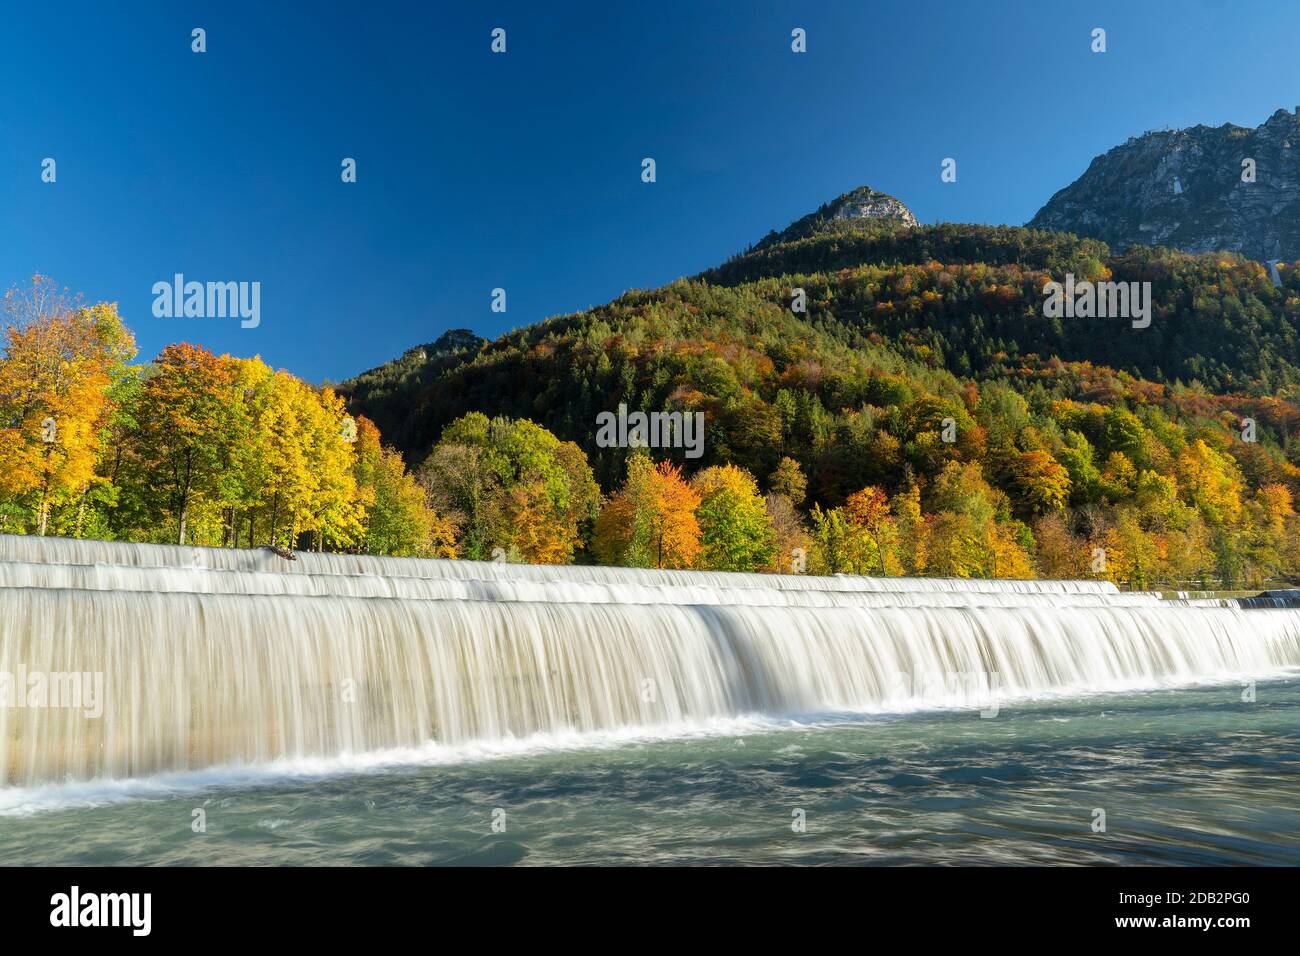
x=921 y=418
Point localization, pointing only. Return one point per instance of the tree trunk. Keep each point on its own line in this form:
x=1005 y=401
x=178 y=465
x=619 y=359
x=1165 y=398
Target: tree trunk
x=44 y=515
x=275 y=516
x=182 y=512
x=182 y=515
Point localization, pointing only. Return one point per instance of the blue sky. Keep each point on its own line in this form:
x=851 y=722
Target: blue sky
x=522 y=170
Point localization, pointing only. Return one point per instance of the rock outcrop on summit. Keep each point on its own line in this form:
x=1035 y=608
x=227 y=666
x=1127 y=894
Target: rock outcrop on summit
x=1203 y=189
x=861 y=203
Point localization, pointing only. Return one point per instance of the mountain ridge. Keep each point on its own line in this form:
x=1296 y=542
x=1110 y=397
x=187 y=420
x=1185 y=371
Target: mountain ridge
x=1200 y=189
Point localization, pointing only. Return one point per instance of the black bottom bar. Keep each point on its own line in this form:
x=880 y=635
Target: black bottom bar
x=334 y=906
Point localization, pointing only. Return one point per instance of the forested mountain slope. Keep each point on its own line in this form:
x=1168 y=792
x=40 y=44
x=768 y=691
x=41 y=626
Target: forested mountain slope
x=904 y=325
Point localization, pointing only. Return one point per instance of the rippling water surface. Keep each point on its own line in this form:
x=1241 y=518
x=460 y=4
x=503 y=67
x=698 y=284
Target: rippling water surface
x=1185 y=776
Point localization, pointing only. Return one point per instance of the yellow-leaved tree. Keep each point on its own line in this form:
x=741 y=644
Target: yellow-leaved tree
x=735 y=529
x=60 y=361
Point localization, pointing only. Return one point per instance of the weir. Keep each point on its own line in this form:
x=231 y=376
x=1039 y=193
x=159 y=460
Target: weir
x=214 y=657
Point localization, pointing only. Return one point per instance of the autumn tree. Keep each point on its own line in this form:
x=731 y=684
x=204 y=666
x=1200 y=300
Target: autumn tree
x=58 y=368
x=789 y=480
x=512 y=486
x=650 y=521
x=1265 y=539
x=1042 y=483
x=1132 y=558
x=183 y=439
x=285 y=434
x=956 y=546
x=397 y=517
x=972 y=533
x=792 y=544
x=735 y=530
x=1060 y=553
x=1078 y=457
x=333 y=514
x=832 y=549
x=873 y=540
x=1211 y=482
x=461 y=487
x=247 y=474
x=1007 y=554
x=859 y=538
x=1189 y=557
x=913 y=530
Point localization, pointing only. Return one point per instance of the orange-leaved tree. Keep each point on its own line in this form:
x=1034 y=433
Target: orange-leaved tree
x=650 y=521
x=874 y=534
x=183 y=440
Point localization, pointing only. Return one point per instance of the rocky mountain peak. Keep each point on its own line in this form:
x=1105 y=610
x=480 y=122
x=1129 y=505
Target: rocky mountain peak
x=858 y=204
x=866 y=203
x=1202 y=189
x=450 y=342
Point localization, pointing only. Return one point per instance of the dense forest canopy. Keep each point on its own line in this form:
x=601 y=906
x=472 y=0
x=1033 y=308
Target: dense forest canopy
x=883 y=302
x=924 y=362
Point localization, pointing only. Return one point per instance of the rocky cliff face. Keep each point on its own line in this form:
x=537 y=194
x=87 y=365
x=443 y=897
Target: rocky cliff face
x=1185 y=189
x=862 y=203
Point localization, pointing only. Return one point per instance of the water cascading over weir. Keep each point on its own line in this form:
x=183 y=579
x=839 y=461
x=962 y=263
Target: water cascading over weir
x=210 y=657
